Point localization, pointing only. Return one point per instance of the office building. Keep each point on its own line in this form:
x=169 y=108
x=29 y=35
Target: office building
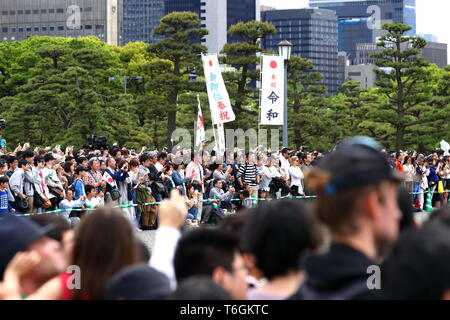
x=435 y=53
x=20 y=19
x=313 y=34
x=360 y=21
x=217 y=16
x=363 y=73
x=140 y=17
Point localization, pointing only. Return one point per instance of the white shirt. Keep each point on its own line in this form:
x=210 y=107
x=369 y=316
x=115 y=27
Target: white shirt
x=166 y=241
x=296 y=178
x=68 y=205
x=159 y=166
x=95 y=202
x=267 y=174
x=285 y=165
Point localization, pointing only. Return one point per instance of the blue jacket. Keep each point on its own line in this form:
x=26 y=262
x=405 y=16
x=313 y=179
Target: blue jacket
x=5 y=206
x=78 y=188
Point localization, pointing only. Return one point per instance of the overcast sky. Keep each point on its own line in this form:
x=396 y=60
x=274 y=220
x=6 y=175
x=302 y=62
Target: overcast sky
x=432 y=15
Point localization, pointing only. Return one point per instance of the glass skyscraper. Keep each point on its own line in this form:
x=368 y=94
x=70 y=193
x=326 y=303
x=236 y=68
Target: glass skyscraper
x=140 y=17
x=313 y=34
x=355 y=19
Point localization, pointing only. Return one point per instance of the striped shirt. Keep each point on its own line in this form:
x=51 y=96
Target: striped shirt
x=248 y=173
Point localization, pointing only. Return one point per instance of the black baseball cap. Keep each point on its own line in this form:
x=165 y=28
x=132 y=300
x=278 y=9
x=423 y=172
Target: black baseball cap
x=356 y=165
x=16 y=234
x=139 y=282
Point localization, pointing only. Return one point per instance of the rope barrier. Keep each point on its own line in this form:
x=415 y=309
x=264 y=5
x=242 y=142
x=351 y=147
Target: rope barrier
x=130 y=205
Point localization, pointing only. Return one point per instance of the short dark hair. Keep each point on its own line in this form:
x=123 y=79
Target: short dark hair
x=162 y=155
x=48 y=157
x=88 y=188
x=278 y=234
x=417 y=267
x=234 y=224
x=27 y=154
x=199 y=288
x=143 y=157
x=201 y=251
x=38 y=159
x=22 y=163
x=11 y=159
x=4 y=179
x=285 y=150
x=67 y=165
x=216 y=181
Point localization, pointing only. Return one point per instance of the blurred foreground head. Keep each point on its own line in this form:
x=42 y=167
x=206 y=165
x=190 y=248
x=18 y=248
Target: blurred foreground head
x=357 y=196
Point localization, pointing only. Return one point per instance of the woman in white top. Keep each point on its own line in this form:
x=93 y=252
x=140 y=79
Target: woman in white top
x=268 y=172
x=297 y=176
x=409 y=171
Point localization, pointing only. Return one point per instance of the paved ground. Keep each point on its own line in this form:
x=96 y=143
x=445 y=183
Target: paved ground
x=148 y=237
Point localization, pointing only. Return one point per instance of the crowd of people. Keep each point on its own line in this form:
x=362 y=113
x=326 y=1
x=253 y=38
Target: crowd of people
x=251 y=244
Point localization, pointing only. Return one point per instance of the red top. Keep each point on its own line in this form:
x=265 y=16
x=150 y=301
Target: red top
x=66 y=292
x=399 y=166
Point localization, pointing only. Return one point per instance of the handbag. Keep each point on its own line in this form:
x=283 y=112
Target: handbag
x=115 y=194
x=41 y=202
x=56 y=191
x=20 y=204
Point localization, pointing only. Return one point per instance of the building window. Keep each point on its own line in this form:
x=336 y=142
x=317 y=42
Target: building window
x=19 y=11
x=28 y=29
x=20 y=29
x=60 y=10
x=60 y=28
x=27 y=11
x=88 y=9
x=36 y=11
x=12 y=12
x=43 y=11
x=52 y=28
x=5 y=29
x=36 y=29
x=99 y=27
x=44 y=28
x=13 y=29
x=4 y=13
x=51 y=10
x=88 y=27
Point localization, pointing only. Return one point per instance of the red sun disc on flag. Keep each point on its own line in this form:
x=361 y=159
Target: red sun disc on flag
x=273 y=64
x=210 y=63
x=110 y=180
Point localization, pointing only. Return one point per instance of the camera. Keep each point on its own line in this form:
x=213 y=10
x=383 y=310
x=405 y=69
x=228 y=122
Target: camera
x=2 y=124
x=97 y=142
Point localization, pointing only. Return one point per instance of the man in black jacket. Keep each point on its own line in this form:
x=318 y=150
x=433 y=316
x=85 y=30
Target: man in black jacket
x=357 y=201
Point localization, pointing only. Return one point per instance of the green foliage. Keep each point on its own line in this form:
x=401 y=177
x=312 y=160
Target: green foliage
x=60 y=90
x=242 y=55
x=181 y=46
x=406 y=80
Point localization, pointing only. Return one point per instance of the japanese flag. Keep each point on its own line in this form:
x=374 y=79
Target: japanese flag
x=107 y=177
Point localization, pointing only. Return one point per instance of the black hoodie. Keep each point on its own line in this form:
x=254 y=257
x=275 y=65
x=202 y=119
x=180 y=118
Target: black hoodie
x=342 y=271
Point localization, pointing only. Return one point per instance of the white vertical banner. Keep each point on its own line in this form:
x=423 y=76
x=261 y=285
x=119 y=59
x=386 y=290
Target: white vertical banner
x=272 y=91
x=220 y=143
x=219 y=100
x=200 y=135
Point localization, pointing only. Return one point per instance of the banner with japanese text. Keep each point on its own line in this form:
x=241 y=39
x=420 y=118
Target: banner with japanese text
x=219 y=100
x=272 y=91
